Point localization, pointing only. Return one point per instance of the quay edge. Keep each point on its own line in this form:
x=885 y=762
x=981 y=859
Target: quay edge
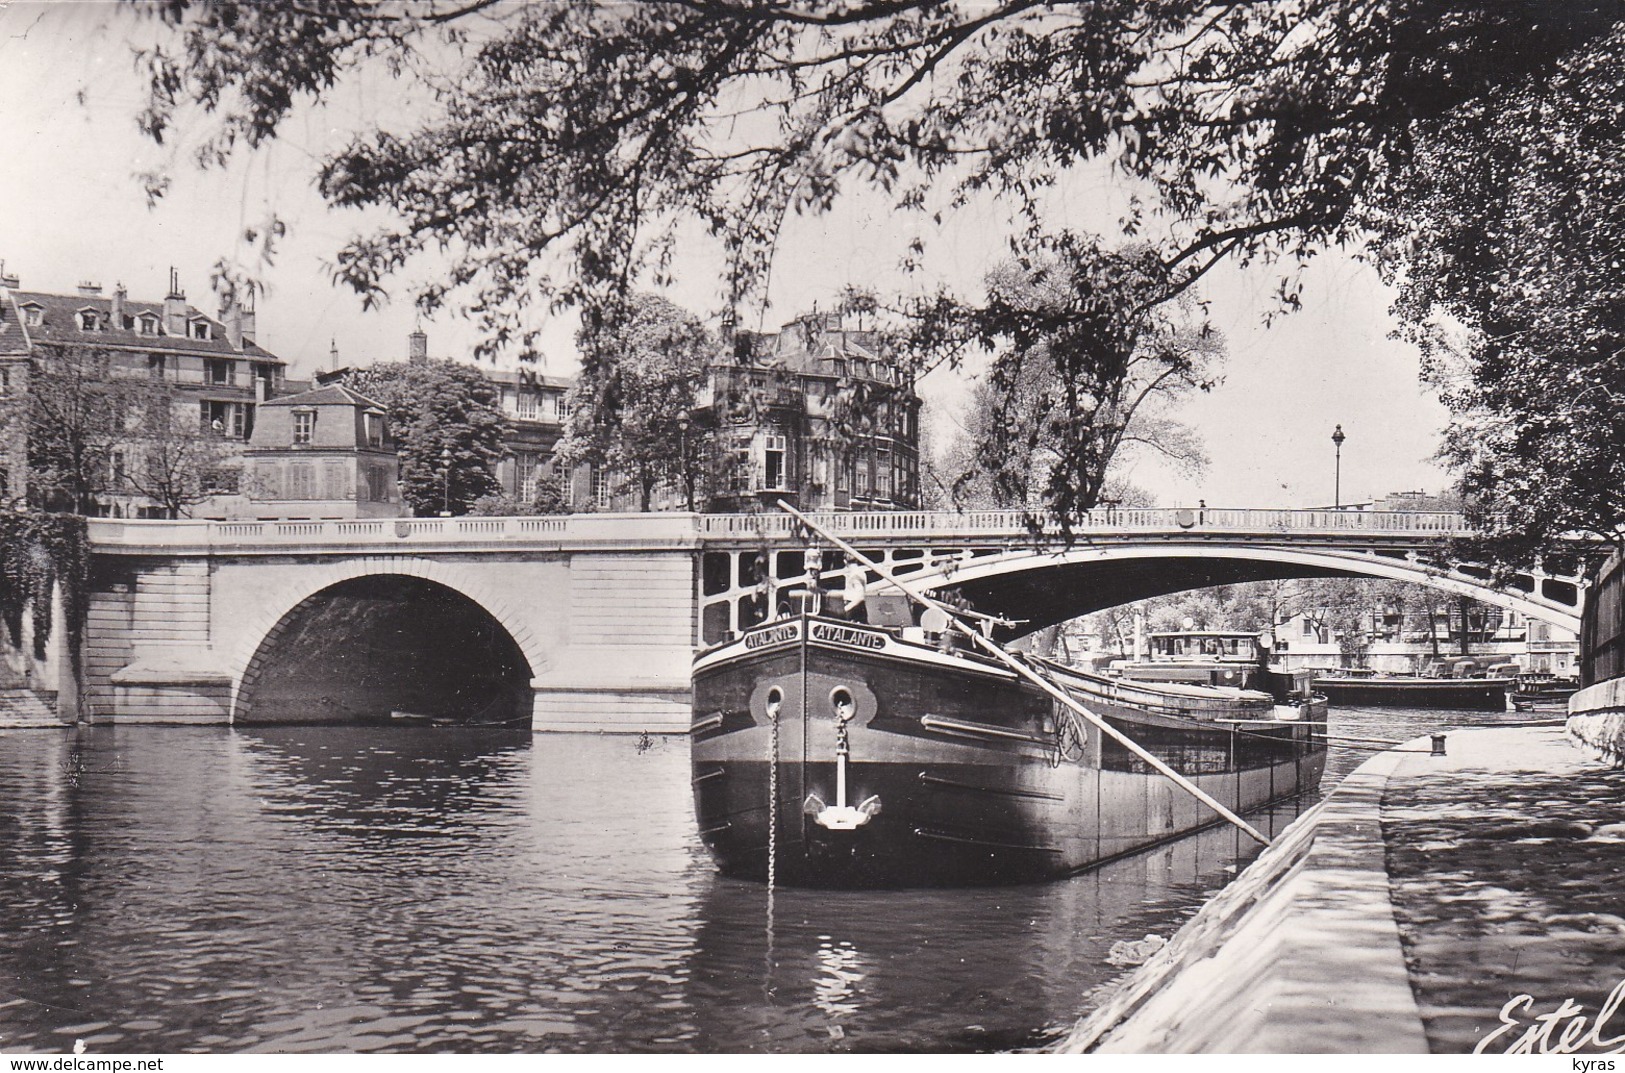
x=1597 y=719
x=1299 y=954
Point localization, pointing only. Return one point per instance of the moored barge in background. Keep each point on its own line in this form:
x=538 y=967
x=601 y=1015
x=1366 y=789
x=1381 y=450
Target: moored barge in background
x=1225 y=658
x=1397 y=691
x=885 y=752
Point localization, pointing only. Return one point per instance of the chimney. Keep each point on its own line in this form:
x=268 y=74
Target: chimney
x=238 y=318
x=246 y=318
x=417 y=347
x=175 y=306
x=8 y=280
x=333 y=357
x=87 y=289
x=119 y=295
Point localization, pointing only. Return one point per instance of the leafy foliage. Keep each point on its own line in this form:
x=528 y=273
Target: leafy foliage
x=174 y=462
x=74 y=415
x=448 y=427
x=38 y=553
x=642 y=367
x=1505 y=243
x=597 y=130
x=1074 y=385
x=549 y=499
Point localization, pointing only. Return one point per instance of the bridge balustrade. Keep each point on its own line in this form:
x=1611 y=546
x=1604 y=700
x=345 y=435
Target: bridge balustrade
x=1101 y=521
x=111 y=534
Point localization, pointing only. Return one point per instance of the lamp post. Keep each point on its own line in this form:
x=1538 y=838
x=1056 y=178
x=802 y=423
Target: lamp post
x=683 y=460
x=1337 y=479
x=445 y=483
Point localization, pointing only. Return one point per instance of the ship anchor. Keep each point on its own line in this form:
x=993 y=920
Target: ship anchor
x=841 y=816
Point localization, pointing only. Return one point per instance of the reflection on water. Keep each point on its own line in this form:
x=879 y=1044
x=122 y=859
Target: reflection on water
x=422 y=889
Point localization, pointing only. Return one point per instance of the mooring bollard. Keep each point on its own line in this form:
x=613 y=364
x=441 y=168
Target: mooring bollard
x=1438 y=745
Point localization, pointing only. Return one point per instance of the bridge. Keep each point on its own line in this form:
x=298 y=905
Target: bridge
x=588 y=622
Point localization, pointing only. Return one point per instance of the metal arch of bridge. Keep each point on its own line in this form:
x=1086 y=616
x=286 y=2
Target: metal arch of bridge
x=1119 y=556
x=1045 y=587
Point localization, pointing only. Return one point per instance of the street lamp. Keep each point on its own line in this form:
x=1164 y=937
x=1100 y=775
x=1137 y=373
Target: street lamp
x=683 y=461
x=445 y=483
x=1337 y=485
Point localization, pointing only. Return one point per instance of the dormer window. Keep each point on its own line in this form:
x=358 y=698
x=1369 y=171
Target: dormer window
x=200 y=329
x=304 y=426
x=32 y=314
x=148 y=325
x=87 y=320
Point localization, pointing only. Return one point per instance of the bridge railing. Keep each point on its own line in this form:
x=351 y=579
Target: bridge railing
x=667 y=528
x=1102 y=522
x=112 y=534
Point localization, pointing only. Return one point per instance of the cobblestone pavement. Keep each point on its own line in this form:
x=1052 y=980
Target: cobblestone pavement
x=1506 y=859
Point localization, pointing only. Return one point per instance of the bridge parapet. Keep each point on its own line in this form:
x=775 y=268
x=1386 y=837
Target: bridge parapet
x=1136 y=522
x=112 y=536
x=542 y=533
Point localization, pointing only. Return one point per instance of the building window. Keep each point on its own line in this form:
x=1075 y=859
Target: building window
x=87 y=321
x=773 y=448
x=373 y=424
x=31 y=315
x=377 y=490
x=883 y=473
x=601 y=490
x=527 y=406
x=301 y=480
x=200 y=329
x=527 y=471
x=739 y=473
x=155 y=366
x=222 y=371
x=304 y=425
x=233 y=419
x=119 y=468
x=148 y=325
x=561 y=405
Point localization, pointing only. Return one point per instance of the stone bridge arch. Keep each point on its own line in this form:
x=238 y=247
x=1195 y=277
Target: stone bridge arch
x=478 y=585
x=1048 y=586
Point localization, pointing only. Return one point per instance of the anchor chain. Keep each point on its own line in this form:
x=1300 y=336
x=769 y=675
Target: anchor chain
x=773 y=799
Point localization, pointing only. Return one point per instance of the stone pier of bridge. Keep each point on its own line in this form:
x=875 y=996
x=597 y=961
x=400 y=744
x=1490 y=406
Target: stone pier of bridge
x=597 y=617
x=184 y=617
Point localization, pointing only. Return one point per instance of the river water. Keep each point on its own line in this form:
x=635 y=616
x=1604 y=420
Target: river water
x=314 y=889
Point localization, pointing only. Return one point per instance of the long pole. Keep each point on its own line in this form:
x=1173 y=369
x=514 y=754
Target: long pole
x=997 y=652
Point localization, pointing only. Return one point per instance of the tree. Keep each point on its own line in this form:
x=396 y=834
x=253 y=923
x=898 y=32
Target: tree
x=170 y=459
x=449 y=428
x=642 y=368
x=1505 y=247
x=596 y=130
x=74 y=417
x=1061 y=402
x=549 y=499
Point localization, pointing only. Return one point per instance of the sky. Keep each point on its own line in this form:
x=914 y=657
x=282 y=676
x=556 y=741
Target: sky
x=72 y=209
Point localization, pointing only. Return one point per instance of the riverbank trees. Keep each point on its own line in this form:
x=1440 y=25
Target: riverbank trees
x=589 y=135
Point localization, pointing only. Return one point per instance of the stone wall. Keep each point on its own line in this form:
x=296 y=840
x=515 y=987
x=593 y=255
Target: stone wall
x=1597 y=718
x=1251 y=972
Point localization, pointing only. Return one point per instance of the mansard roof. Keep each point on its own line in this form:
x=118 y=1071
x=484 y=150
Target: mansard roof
x=59 y=325
x=13 y=335
x=331 y=395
